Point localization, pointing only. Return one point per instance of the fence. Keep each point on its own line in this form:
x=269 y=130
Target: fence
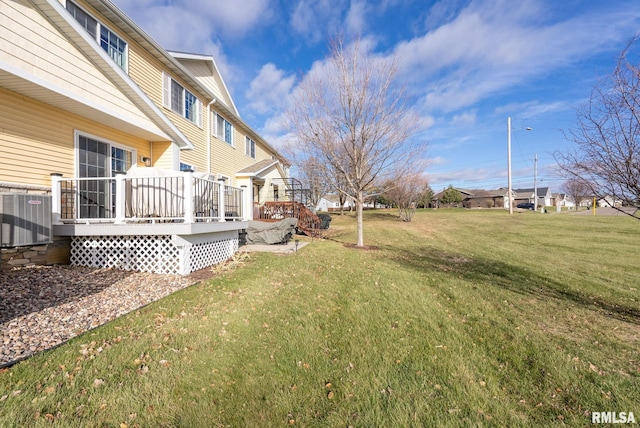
x=121 y=199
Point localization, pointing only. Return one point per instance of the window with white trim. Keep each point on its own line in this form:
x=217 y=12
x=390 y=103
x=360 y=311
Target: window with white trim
x=186 y=167
x=180 y=100
x=222 y=128
x=250 y=147
x=112 y=44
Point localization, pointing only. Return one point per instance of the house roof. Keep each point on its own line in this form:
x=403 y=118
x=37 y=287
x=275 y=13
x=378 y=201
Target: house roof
x=225 y=96
x=55 y=12
x=542 y=191
x=224 y=104
x=171 y=60
x=489 y=193
x=257 y=167
x=463 y=191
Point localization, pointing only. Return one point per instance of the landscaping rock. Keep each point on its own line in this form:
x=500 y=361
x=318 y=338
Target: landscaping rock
x=44 y=306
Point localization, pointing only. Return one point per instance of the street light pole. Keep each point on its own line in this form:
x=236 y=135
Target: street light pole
x=509 y=164
x=509 y=160
x=535 y=184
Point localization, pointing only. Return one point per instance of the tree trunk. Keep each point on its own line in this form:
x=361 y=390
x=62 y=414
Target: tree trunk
x=359 y=208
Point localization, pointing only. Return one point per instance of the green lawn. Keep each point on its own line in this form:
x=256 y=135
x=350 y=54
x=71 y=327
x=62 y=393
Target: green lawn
x=459 y=318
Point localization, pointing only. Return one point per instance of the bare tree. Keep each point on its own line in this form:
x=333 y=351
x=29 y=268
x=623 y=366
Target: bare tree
x=406 y=194
x=312 y=175
x=577 y=190
x=352 y=114
x=340 y=186
x=607 y=136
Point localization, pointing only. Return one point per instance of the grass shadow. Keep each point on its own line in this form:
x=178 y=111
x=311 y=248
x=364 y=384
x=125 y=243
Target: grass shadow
x=383 y=216
x=509 y=277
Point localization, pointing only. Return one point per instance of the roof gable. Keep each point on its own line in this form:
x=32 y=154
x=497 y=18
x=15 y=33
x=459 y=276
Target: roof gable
x=257 y=168
x=542 y=191
x=224 y=105
x=205 y=70
x=84 y=79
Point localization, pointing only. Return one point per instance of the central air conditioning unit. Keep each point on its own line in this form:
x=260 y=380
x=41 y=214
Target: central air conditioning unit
x=25 y=219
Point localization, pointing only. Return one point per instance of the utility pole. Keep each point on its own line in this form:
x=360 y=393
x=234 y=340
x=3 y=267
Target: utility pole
x=510 y=195
x=535 y=183
x=509 y=164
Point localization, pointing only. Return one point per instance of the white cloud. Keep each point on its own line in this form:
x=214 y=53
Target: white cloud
x=533 y=109
x=465 y=119
x=270 y=89
x=492 y=45
x=316 y=19
x=233 y=18
x=438 y=160
x=276 y=133
x=356 y=20
x=228 y=18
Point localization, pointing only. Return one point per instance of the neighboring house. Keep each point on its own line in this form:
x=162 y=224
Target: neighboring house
x=478 y=198
x=86 y=94
x=562 y=200
x=609 y=201
x=438 y=196
x=487 y=199
x=331 y=202
x=527 y=195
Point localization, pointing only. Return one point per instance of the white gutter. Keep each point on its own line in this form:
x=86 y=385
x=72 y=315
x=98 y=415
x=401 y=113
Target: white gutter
x=208 y=132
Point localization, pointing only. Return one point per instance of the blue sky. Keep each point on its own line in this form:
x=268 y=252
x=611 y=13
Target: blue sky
x=468 y=65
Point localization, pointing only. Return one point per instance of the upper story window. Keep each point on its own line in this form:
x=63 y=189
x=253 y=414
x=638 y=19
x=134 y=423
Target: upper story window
x=180 y=100
x=108 y=40
x=250 y=147
x=222 y=128
x=114 y=46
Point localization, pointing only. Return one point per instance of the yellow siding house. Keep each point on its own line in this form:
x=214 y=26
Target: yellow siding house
x=137 y=147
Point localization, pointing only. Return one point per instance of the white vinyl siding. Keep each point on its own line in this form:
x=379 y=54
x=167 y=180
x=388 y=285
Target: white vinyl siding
x=39 y=53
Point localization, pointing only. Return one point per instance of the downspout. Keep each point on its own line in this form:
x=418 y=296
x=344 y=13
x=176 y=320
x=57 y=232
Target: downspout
x=208 y=132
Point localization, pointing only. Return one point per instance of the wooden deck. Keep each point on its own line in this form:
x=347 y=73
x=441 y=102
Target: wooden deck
x=308 y=222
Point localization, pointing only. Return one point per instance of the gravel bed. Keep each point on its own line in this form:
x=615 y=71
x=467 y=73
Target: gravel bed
x=44 y=306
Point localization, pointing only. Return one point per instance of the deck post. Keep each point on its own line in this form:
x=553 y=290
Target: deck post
x=188 y=196
x=246 y=203
x=120 y=198
x=56 y=198
x=221 y=207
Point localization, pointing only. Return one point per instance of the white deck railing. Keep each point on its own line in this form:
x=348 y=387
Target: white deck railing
x=121 y=199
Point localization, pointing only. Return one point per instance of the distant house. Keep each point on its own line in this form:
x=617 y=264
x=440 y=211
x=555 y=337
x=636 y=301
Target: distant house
x=487 y=199
x=331 y=202
x=527 y=195
x=478 y=198
x=609 y=201
x=437 y=198
x=562 y=200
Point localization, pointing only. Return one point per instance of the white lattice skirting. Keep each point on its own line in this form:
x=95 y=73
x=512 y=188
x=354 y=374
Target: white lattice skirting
x=167 y=254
